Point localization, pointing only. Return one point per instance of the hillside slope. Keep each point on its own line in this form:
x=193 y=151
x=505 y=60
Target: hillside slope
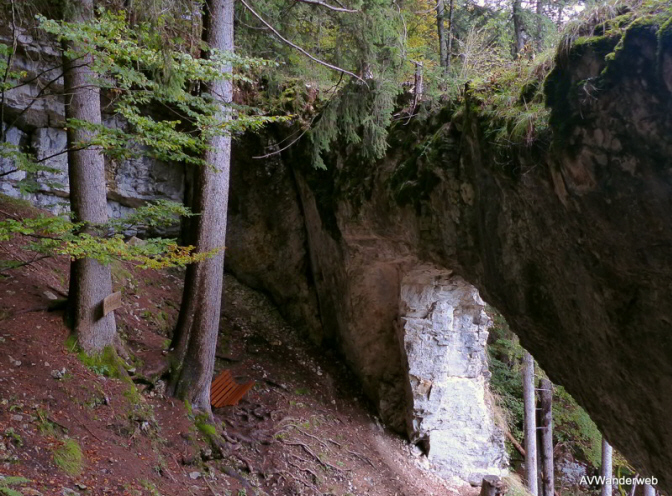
x=69 y=428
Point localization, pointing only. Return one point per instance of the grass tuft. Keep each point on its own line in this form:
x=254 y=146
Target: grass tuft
x=69 y=458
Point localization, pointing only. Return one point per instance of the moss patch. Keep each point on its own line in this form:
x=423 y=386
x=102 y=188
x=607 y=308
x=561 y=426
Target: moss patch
x=69 y=458
x=106 y=362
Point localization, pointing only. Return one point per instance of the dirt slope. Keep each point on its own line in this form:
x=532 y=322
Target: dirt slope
x=68 y=429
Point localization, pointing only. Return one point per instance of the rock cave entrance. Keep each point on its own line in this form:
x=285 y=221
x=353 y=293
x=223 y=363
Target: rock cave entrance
x=443 y=330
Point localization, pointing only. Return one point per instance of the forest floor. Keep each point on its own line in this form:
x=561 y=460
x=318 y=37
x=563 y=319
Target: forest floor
x=67 y=428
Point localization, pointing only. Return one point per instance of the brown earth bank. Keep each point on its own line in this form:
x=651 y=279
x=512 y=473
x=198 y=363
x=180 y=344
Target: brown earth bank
x=67 y=428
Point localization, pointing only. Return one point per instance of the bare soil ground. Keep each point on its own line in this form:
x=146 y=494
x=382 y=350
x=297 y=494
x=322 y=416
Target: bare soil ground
x=304 y=429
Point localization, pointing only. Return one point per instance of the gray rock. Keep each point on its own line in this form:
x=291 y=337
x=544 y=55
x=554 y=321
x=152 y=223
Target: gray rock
x=444 y=331
x=49 y=295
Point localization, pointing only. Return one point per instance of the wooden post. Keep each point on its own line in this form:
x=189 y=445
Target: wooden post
x=649 y=490
x=491 y=486
x=530 y=424
x=607 y=453
x=546 y=396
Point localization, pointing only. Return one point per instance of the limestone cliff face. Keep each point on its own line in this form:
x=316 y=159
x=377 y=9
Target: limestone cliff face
x=34 y=116
x=443 y=330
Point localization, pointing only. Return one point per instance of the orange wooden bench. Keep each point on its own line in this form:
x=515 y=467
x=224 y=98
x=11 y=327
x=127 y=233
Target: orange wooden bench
x=225 y=391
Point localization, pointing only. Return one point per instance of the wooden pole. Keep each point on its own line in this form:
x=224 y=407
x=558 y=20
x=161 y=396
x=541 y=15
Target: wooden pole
x=530 y=424
x=491 y=486
x=649 y=490
x=607 y=453
x=546 y=396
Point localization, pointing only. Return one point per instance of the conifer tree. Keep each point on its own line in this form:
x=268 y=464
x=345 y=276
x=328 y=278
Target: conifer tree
x=90 y=281
x=198 y=327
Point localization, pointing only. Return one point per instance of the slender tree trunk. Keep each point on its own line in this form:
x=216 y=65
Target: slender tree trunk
x=441 y=29
x=193 y=377
x=548 y=476
x=540 y=24
x=449 y=52
x=187 y=308
x=607 y=453
x=518 y=27
x=90 y=281
x=530 y=424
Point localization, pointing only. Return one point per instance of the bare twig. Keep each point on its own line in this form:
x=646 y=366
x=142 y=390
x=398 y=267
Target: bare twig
x=277 y=152
x=331 y=7
x=298 y=48
x=7 y=173
x=91 y=432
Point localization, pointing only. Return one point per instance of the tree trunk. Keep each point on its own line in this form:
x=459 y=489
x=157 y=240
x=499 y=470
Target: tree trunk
x=518 y=27
x=203 y=289
x=540 y=24
x=548 y=477
x=530 y=424
x=441 y=29
x=607 y=453
x=449 y=52
x=90 y=281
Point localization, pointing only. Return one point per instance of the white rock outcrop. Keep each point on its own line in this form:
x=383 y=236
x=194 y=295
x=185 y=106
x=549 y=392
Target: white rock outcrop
x=444 y=332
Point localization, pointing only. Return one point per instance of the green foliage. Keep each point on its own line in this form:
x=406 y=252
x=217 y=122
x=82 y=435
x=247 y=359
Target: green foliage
x=142 y=73
x=505 y=362
x=135 y=65
x=13 y=436
x=68 y=457
x=59 y=235
x=6 y=484
x=360 y=114
x=571 y=424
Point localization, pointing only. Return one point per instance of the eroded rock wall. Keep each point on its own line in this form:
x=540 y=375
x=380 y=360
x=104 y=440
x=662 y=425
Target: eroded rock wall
x=570 y=237
x=443 y=332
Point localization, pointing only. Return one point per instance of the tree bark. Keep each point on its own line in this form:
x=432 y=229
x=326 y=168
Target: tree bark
x=449 y=52
x=548 y=476
x=441 y=29
x=90 y=281
x=607 y=453
x=540 y=24
x=530 y=424
x=194 y=375
x=518 y=27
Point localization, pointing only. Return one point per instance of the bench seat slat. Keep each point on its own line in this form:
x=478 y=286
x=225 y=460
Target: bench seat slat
x=225 y=391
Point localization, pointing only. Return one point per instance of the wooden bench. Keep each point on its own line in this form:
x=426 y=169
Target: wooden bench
x=225 y=391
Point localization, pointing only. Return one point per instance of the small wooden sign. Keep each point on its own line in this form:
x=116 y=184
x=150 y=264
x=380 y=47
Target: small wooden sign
x=111 y=303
